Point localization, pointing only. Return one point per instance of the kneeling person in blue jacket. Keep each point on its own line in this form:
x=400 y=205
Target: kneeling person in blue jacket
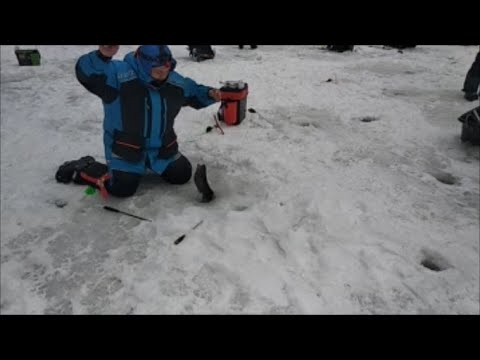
x=141 y=95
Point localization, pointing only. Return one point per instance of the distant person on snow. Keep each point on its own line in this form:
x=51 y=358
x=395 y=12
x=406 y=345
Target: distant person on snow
x=471 y=86
x=142 y=95
x=251 y=46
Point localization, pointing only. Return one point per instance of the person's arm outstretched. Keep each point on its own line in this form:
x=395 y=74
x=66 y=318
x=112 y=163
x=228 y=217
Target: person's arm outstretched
x=93 y=70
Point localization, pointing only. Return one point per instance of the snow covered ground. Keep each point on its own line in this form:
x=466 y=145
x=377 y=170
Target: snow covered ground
x=317 y=211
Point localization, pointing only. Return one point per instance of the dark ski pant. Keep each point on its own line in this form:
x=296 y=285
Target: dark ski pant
x=472 y=80
x=124 y=184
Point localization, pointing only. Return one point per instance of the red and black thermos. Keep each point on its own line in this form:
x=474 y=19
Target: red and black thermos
x=234 y=102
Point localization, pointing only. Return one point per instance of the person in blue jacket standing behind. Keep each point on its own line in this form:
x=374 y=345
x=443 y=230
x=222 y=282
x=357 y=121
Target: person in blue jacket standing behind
x=141 y=95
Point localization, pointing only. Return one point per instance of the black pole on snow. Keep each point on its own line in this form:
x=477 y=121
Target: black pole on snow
x=109 y=208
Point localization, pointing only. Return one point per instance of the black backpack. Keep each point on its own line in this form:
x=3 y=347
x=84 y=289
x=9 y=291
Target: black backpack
x=72 y=170
x=201 y=52
x=340 y=48
x=471 y=126
x=401 y=46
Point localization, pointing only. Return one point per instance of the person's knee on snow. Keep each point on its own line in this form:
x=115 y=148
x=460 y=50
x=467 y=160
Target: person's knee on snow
x=178 y=172
x=123 y=184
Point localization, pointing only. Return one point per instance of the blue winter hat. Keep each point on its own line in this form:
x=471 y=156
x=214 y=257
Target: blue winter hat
x=150 y=56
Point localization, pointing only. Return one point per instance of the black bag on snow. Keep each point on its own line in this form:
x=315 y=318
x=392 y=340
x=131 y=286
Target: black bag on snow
x=201 y=52
x=401 y=46
x=471 y=126
x=70 y=170
x=340 y=48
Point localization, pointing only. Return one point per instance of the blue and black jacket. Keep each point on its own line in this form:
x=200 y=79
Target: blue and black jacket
x=139 y=114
